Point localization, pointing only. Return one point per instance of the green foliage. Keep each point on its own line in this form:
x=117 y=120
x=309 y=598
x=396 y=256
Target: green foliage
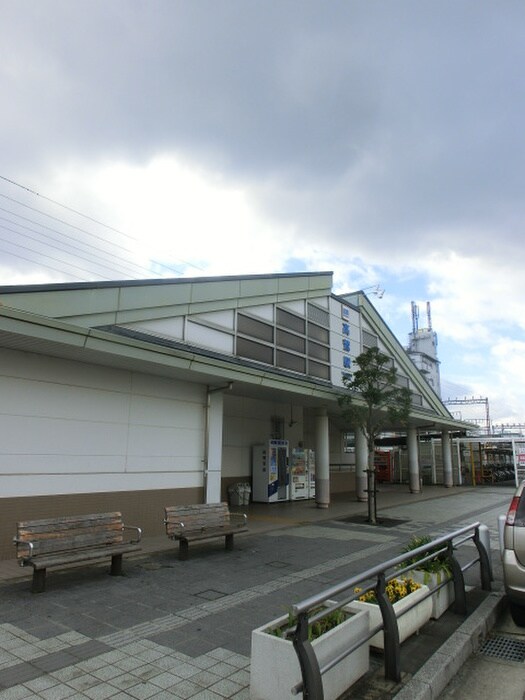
x=373 y=402
x=432 y=566
x=316 y=629
x=373 y=399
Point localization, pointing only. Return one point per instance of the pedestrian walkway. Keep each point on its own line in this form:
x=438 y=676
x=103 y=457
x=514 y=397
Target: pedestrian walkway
x=182 y=629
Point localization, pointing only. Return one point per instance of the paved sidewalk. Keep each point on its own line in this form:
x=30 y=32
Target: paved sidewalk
x=178 y=630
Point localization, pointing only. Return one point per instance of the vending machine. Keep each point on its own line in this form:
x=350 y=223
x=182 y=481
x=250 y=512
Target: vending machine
x=270 y=472
x=299 y=484
x=311 y=473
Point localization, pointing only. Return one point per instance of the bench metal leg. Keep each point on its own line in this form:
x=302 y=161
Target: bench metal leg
x=116 y=565
x=39 y=581
x=229 y=542
x=183 y=550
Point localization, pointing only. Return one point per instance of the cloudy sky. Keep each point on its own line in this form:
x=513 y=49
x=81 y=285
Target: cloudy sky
x=380 y=139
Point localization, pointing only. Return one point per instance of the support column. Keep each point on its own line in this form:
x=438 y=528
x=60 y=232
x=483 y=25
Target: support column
x=413 y=461
x=322 y=460
x=447 y=459
x=361 y=464
x=213 y=466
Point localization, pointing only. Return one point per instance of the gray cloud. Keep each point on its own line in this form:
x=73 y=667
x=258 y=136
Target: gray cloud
x=397 y=124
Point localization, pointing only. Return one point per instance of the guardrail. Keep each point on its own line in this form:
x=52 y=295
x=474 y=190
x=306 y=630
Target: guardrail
x=445 y=546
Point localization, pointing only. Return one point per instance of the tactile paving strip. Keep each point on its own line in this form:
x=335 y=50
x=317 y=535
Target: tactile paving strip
x=506 y=648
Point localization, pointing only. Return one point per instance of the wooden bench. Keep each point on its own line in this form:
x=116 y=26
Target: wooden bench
x=202 y=522
x=72 y=539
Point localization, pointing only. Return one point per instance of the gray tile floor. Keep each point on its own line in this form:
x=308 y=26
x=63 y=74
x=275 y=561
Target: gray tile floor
x=172 y=629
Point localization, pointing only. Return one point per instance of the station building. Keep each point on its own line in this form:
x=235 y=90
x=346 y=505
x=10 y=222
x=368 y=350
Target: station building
x=134 y=395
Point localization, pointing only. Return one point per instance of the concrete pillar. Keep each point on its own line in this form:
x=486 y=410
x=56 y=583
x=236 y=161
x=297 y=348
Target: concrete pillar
x=214 y=425
x=361 y=464
x=413 y=461
x=322 y=460
x=446 y=448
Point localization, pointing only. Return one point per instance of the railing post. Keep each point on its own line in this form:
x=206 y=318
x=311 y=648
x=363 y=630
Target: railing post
x=484 y=560
x=310 y=671
x=460 y=598
x=390 y=632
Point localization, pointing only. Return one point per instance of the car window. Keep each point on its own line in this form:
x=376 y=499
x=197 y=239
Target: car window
x=520 y=511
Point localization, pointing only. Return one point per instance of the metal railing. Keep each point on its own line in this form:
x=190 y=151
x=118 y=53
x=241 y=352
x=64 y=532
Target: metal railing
x=307 y=612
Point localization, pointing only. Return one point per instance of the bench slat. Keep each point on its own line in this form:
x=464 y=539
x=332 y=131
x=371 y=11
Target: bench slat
x=70 y=532
x=71 y=539
x=65 y=522
x=201 y=522
x=49 y=561
x=82 y=541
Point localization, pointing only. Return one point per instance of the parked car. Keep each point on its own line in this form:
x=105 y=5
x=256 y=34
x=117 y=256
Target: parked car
x=513 y=556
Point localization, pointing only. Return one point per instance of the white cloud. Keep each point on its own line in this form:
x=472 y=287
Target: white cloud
x=382 y=143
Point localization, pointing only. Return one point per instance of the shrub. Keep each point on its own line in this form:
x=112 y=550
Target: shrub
x=433 y=566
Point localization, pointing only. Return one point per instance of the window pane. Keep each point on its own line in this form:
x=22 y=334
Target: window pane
x=255 y=351
x=290 y=341
x=288 y=361
x=318 y=333
x=288 y=320
x=369 y=340
x=315 y=369
x=320 y=352
x=318 y=315
x=257 y=329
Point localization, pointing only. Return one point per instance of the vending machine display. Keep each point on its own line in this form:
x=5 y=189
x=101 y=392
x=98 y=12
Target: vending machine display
x=299 y=483
x=270 y=472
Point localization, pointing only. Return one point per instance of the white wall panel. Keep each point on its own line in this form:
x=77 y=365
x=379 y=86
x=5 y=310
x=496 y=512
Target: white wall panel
x=222 y=319
x=51 y=484
x=21 y=435
x=248 y=422
x=103 y=430
x=40 y=368
x=165 y=327
x=158 y=441
x=297 y=307
x=175 y=464
x=209 y=338
x=321 y=301
x=51 y=400
x=162 y=388
x=29 y=464
x=264 y=312
x=146 y=410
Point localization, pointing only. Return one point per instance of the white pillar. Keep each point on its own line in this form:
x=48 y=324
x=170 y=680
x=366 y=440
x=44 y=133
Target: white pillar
x=322 y=460
x=214 y=447
x=413 y=461
x=447 y=459
x=361 y=464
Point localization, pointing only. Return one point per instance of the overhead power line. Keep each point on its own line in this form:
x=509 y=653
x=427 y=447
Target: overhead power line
x=116 y=254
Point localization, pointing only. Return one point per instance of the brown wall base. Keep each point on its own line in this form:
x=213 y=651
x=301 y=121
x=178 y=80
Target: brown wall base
x=143 y=509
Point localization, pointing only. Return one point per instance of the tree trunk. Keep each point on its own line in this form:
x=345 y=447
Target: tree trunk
x=371 y=488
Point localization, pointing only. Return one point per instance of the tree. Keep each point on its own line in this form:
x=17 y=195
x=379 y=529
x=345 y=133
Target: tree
x=372 y=402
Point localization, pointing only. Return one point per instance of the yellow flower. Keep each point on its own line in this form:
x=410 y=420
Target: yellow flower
x=396 y=589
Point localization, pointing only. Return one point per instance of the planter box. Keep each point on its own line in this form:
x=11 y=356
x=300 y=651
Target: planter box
x=442 y=598
x=275 y=669
x=408 y=624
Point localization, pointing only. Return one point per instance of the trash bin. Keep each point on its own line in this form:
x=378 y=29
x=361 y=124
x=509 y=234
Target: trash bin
x=246 y=491
x=239 y=494
x=235 y=495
